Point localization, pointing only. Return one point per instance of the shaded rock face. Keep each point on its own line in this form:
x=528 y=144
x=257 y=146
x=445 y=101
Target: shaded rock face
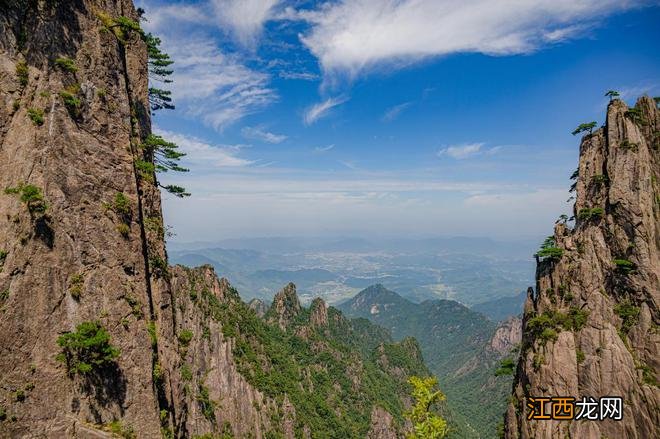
x=285 y=307
x=607 y=283
x=205 y=364
x=69 y=263
x=318 y=313
x=507 y=335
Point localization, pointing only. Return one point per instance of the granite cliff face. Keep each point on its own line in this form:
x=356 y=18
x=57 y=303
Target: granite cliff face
x=591 y=324
x=82 y=240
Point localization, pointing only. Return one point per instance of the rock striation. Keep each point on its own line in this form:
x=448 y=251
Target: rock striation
x=590 y=327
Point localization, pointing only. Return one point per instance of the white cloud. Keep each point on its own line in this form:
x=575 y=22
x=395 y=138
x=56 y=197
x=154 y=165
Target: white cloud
x=260 y=133
x=321 y=109
x=202 y=155
x=394 y=112
x=324 y=148
x=213 y=85
x=460 y=152
x=351 y=35
x=305 y=76
x=245 y=18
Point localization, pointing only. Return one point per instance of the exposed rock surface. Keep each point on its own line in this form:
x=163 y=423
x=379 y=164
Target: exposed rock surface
x=258 y=306
x=319 y=313
x=609 y=272
x=507 y=335
x=71 y=263
x=285 y=307
x=382 y=425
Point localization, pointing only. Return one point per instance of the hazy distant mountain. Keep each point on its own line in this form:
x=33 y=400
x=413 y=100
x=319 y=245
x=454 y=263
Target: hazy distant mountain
x=456 y=343
x=502 y=308
x=468 y=270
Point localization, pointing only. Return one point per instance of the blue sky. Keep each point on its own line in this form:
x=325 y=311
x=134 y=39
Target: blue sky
x=390 y=117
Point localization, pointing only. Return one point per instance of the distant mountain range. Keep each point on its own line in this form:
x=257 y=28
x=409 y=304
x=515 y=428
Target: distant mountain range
x=468 y=270
x=502 y=308
x=461 y=347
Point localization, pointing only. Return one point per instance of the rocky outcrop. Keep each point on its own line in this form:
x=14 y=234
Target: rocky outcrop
x=507 y=335
x=382 y=425
x=285 y=307
x=258 y=306
x=590 y=326
x=318 y=313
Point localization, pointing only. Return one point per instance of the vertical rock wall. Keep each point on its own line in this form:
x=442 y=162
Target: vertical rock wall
x=609 y=273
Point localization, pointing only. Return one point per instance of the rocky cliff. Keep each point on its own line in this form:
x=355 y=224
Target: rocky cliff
x=591 y=323
x=98 y=336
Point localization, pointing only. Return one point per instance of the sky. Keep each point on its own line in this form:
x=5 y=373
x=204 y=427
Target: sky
x=389 y=117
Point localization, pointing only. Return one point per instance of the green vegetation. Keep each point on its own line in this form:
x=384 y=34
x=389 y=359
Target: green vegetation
x=165 y=156
x=186 y=373
x=648 y=375
x=3 y=258
x=599 y=179
x=589 y=126
x=118 y=429
x=71 y=101
x=426 y=424
x=124 y=230
x=635 y=114
x=579 y=356
x=185 y=336
x=628 y=145
x=159 y=64
x=205 y=403
x=23 y=73
x=629 y=314
x=145 y=170
x=36 y=115
x=507 y=367
x=31 y=196
x=612 y=94
x=587 y=214
x=549 y=250
x=76 y=286
x=624 y=266
x=153 y=336
x=546 y=325
x=348 y=364
x=66 y=64
x=87 y=349
x=441 y=327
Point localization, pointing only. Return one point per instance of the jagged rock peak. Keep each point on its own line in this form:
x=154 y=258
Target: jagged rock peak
x=590 y=326
x=507 y=335
x=285 y=307
x=258 y=306
x=318 y=313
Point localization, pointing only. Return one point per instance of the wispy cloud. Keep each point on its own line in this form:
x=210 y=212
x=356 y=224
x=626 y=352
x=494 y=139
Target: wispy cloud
x=260 y=133
x=460 y=152
x=352 y=35
x=324 y=148
x=467 y=150
x=215 y=86
x=394 y=112
x=202 y=155
x=321 y=109
x=245 y=18
x=305 y=76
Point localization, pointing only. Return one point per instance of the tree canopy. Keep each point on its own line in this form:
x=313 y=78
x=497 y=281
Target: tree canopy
x=426 y=424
